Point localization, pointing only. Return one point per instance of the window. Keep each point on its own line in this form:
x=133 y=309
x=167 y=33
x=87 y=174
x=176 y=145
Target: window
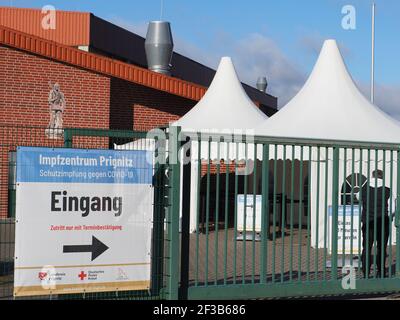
x=353 y=184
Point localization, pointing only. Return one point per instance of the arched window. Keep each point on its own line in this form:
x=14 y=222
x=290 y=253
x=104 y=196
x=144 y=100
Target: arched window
x=353 y=184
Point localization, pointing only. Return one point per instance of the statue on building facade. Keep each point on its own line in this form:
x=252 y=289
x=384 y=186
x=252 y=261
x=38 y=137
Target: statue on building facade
x=56 y=108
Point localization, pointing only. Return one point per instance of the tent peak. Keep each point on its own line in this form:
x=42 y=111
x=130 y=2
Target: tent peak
x=226 y=58
x=225 y=104
x=330 y=106
x=330 y=41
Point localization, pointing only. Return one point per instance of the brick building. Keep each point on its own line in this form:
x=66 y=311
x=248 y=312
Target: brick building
x=101 y=71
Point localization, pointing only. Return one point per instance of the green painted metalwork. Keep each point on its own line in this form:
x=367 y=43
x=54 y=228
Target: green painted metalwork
x=226 y=218
x=235 y=213
x=292 y=290
x=360 y=207
x=301 y=196
x=344 y=214
x=173 y=214
x=244 y=218
x=376 y=215
x=326 y=212
x=367 y=220
x=283 y=220
x=291 y=215
x=309 y=214
x=335 y=210
x=208 y=210
x=264 y=213
x=216 y=223
x=397 y=215
x=198 y=211
x=317 y=212
x=222 y=267
x=274 y=215
x=390 y=212
x=253 y=247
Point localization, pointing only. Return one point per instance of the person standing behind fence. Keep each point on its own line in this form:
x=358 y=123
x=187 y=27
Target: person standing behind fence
x=374 y=213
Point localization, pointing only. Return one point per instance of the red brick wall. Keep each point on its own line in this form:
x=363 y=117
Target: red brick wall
x=25 y=88
x=93 y=101
x=137 y=107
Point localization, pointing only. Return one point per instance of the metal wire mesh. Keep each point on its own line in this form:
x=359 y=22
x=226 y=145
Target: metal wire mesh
x=13 y=136
x=298 y=240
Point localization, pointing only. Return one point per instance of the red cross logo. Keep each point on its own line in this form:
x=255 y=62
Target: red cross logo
x=82 y=275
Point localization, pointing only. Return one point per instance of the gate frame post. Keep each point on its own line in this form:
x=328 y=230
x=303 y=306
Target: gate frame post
x=185 y=223
x=397 y=216
x=68 y=138
x=335 y=211
x=173 y=213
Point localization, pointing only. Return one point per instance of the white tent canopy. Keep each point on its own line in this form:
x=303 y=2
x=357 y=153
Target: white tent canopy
x=225 y=106
x=331 y=107
x=225 y=109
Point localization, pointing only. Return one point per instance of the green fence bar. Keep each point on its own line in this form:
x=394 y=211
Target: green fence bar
x=274 y=215
x=264 y=213
x=301 y=204
x=235 y=214
x=352 y=206
x=360 y=198
x=375 y=243
x=309 y=214
x=344 y=203
x=283 y=217
x=383 y=219
x=198 y=210
x=227 y=170
x=397 y=215
x=173 y=214
x=326 y=211
x=335 y=209
x=291 y=215
x=367 y=258
x=253 y=254
x=208 y=210
x=216 y=216
x=244 y=234
x=390 y=212
x=317 y=213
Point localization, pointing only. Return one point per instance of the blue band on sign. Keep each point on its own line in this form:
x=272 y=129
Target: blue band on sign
x=84 y=166
x=346 y=210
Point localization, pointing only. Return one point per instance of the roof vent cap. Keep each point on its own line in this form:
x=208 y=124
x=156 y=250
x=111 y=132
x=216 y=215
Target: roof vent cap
x=262 y=84
x=159 y=47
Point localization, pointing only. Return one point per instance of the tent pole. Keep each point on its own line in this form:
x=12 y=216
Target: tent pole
x=373 y=56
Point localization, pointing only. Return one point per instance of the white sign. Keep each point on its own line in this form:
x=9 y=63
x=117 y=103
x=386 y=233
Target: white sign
x=252 y=211
x=352 y=236
x=83 y=221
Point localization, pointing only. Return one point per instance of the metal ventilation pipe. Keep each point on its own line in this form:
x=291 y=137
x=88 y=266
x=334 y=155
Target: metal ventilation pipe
x=159 y=46
x=262 y=84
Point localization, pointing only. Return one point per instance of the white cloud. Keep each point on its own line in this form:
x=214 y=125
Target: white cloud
x=257 y=55
x=254 y=55
x=140 y=28
x=312 y=44
x=387 y=97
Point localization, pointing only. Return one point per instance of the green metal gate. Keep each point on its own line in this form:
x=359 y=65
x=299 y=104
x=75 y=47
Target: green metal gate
x=13 y=136
x=298 y=203
x=303 y=202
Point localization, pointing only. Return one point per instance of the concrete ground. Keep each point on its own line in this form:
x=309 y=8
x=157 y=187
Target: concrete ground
x=294 y=259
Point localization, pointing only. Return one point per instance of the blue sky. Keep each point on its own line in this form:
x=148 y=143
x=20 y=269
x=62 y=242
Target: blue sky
x=280 y=39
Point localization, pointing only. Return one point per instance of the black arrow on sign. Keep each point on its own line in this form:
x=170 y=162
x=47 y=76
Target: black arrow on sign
x=96 y=248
